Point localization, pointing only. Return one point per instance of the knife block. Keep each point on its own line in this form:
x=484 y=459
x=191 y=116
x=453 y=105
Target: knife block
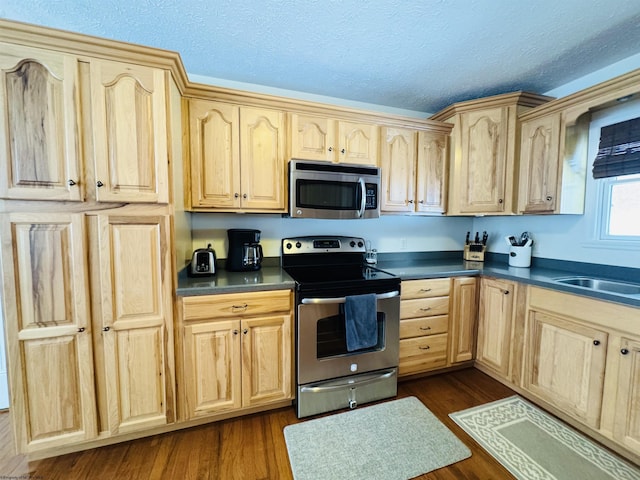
x=474 y=252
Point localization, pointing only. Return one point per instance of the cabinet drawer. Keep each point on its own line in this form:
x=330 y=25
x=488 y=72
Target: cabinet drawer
x=421 y=354
x=230 y=305
x=424 y=307
x=434 y=287
x=417 y=327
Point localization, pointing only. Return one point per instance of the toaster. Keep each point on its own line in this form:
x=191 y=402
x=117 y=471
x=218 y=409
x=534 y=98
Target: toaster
x=203 y=262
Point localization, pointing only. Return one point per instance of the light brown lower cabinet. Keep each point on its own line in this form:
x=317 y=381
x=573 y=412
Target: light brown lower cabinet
x=431 y=310
x=79 y=373
x=495 y=325
x=581 y=358
x=237 y=351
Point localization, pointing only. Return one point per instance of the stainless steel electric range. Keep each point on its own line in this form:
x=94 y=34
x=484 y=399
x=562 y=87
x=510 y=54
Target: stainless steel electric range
x=327 y=270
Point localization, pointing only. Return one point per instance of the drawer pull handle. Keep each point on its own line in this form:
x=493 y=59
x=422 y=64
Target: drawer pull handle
x=425 y=309
x=242 y=307
x=425 y=290
x=624 y=351
x=425 y=328
x=425 y=348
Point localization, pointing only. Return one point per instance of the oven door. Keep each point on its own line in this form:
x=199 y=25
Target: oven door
x=321 y=341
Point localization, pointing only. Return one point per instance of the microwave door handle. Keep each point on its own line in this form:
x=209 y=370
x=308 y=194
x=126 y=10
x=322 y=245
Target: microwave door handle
x=324 y=301
x=363 y=198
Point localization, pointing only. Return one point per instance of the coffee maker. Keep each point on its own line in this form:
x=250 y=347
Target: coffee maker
x=245 y=251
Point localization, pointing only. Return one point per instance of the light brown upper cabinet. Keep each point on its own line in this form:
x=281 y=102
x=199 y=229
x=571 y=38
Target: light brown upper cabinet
x=322 y=138
x=129 y=133
x=39 y=130
x=237 y=159
x=60 y=111
x=414 y=169
x=485 y=141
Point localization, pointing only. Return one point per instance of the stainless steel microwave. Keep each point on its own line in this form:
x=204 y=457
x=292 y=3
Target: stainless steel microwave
x=335 y=191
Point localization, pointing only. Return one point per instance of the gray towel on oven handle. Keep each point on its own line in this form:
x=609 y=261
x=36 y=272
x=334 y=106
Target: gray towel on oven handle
x=361 y=321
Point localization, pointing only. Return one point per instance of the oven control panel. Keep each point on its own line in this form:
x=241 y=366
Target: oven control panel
x=322 y=244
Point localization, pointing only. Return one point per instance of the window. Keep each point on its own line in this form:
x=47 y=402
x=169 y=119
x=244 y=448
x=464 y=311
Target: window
x=620 y=208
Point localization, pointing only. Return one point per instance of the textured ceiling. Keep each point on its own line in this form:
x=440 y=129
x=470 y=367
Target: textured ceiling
x=414 y=55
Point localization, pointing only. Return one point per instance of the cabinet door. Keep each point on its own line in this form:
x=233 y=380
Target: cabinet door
x=539 y=163
x=212 y=366
x=482 y=180
x=626 y=429
x=39 y=125
x=129 y=133
x=495 y=320
x=398 y=160
x=431 y=175
x=358 y=143
x=262 y=159
x=313 y=138
x=48 y=331
x=215 y=154
x=266 y=359
x=564 y=365
x=136 y=317
x=464 y=310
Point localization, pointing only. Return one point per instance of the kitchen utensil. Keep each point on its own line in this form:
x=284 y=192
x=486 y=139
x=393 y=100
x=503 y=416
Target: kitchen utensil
x=203 y=262
x=485 y=237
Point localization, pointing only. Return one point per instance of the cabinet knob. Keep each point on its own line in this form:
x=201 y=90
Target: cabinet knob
x=71 y=182
x=506 y=292
x=236 y=195
x=331 y=149
x=421 y=201
x=624 y=351
x=244 y=195
x=500 y=200
x=81 y=329
x=410 y=201
x=342 y=150
x=99 y=184
x=106 y=329
x=596 y=342
x=235 y=332
x=549 y=198
x=245 y=331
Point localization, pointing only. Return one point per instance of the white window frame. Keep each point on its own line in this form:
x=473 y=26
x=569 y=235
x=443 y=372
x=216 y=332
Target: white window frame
x=605 y=186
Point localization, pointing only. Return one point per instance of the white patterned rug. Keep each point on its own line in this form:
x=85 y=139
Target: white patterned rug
x=534 y=445
x=394 y=440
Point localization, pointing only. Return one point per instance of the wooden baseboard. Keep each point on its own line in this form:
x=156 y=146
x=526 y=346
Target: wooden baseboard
x=110 y=440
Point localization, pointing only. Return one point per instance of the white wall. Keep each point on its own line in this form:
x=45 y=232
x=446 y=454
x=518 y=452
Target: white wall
x=387 y=233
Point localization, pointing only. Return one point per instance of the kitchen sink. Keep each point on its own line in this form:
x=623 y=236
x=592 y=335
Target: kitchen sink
x=602 y=285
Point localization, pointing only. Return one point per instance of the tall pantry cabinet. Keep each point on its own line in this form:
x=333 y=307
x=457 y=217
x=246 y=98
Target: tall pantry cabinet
x=85 y=217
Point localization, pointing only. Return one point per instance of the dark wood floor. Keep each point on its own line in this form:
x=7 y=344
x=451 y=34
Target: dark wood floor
x=253 y=447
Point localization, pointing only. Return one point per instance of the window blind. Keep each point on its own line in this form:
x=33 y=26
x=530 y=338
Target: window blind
x=619 y=150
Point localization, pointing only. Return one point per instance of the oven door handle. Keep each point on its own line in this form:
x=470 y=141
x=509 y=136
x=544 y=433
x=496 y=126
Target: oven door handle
x=321 y=301
x=348 y=382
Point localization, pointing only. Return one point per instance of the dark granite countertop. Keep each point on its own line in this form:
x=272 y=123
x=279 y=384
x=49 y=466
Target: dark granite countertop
x=542 y=273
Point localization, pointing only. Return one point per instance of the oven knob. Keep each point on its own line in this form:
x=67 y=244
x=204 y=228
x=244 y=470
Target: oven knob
x=288 y=246
x=352 y=244
x=360 y=244
x=298 y=245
